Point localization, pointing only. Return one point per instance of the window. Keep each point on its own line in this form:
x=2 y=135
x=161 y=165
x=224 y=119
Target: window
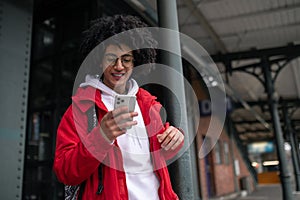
x=226 y=153
x=218 y=158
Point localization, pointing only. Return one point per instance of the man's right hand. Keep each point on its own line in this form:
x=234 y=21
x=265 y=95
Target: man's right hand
x=115 y=122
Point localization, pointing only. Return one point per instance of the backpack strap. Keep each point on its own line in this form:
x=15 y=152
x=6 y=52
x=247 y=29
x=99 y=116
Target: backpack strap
x=76 y=192
x=100 y=184
x=81 y=189
x=92 y=118
x=100 y=179
x=92 y=123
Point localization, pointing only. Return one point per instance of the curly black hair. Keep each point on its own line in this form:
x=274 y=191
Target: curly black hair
x=105 y=27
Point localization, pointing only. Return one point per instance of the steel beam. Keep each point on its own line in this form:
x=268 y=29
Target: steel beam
x=258 y=13
x=257 y=122
x=288 y=51
x=264 y=103
x=254 y=131
x=15 y=37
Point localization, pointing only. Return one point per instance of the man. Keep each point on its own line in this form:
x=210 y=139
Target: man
x=124 y=155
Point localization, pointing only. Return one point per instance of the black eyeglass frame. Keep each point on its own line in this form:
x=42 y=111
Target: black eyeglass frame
x=111 y=59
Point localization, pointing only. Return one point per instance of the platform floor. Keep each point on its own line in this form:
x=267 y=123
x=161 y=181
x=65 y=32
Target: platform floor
x=262 y=192
x=265 y=192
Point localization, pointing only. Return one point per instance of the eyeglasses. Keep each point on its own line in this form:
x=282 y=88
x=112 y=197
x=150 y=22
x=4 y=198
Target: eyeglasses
x=111 y=60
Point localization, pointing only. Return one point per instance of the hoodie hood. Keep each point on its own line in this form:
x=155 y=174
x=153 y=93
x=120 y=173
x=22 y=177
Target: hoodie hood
x=95 y=82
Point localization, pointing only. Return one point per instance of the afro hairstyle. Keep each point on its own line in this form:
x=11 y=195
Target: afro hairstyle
x=109 y=26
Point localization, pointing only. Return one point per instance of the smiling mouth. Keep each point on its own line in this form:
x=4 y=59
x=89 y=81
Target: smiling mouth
x=117 y=75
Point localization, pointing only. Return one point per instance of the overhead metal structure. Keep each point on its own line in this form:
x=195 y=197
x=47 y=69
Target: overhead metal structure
x=243 y=31
x=280 y=58
x=256 y=47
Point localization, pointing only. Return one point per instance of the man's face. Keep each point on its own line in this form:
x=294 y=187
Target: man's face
x=117 y=66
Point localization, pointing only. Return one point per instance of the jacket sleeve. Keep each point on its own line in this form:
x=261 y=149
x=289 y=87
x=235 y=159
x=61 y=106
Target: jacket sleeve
x=151 y=114
x=77 y=155
x=155 y=116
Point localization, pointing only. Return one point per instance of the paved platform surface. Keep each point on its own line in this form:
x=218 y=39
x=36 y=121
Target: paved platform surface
x=262 y=192
x=268 y=192
x=265 y=192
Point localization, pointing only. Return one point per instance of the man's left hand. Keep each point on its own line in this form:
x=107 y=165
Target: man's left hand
x=171 y=138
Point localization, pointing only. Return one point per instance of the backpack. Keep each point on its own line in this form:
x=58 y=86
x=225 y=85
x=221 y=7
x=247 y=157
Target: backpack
x=74 y=192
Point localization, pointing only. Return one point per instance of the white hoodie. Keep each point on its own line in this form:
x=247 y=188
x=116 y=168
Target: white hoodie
x=141 y=181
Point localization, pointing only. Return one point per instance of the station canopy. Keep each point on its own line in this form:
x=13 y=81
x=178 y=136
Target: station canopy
x=241 y=33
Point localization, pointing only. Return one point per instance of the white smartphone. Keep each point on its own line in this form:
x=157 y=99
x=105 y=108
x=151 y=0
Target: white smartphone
x=125 y=100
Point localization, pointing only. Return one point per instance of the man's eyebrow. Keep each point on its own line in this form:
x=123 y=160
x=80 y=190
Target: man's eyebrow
x=127 y=54
x=111 y=54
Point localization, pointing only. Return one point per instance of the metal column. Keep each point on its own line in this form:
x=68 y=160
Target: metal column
x=15 y=41
x=297 y=146
x=273 y=106
x=291 y=137
x=184 y=169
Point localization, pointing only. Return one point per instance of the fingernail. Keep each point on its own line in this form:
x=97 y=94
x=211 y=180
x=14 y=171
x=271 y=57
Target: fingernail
x=159 y=140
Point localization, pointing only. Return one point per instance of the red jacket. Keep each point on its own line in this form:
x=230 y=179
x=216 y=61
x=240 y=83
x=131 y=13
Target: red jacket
x=78 y=156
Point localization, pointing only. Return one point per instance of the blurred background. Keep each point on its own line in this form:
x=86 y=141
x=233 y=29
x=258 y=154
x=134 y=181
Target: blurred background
x=254 y=44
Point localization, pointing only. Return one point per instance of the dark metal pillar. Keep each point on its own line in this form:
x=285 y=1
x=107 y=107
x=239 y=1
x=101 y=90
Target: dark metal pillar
x=290 y=135
x=15 y=42
x=184 y=170
x=295 y=161
x=273 y=104
x=297 y=147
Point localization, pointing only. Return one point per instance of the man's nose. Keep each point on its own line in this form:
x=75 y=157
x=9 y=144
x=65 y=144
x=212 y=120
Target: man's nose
x=118 y=64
